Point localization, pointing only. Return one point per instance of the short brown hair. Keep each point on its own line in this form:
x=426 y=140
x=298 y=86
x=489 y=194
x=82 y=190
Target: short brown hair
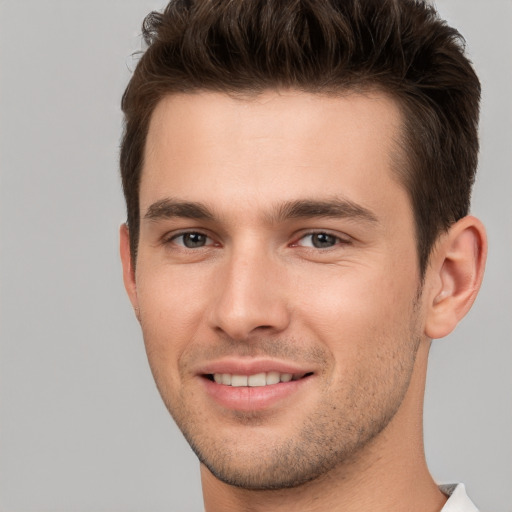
x=400 y=47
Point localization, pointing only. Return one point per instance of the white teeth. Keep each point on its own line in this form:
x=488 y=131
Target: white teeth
x=238 y=381
x=256 y=380
x=259 y=379
x=273 y=378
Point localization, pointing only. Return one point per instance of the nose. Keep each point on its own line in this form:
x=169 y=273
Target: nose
x=250 y=298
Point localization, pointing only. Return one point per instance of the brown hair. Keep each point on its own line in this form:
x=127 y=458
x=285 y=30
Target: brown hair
x=400 y=47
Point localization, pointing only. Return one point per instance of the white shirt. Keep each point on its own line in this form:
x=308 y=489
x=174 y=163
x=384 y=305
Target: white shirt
x=458 y=500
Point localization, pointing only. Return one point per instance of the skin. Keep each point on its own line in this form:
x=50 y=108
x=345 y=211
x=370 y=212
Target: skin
x=230 y=271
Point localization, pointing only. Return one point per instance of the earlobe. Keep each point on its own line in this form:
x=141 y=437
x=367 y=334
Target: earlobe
x=128 y=270
x=456 y=272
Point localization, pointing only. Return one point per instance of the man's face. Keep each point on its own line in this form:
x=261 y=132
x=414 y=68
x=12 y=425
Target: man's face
x=276 y=244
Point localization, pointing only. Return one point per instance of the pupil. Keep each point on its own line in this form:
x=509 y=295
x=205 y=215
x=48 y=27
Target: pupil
x=192 y=240
x=321 y=240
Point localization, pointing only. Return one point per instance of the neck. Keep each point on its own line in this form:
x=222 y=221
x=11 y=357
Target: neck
x=389 y=474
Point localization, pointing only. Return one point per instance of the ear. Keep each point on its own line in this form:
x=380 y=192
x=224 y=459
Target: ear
x=128 y=270
x=455 y=273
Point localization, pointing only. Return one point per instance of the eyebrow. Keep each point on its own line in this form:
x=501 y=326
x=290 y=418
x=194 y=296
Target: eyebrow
x=169 y=208
x=332 y=208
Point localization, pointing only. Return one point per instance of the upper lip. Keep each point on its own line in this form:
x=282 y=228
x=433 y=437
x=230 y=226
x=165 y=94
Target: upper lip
x=242 y=366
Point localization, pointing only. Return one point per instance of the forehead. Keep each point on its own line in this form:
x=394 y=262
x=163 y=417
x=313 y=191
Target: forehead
x=272 y=147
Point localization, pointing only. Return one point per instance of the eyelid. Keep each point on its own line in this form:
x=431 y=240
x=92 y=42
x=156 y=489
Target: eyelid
x=171 y=238
x=341 y=239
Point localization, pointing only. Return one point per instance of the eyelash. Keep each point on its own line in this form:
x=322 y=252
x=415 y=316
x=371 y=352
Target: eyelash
x=173 y=238
x=337 y=240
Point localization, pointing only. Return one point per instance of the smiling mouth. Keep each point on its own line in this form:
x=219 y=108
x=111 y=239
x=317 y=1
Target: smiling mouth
x=255 y=380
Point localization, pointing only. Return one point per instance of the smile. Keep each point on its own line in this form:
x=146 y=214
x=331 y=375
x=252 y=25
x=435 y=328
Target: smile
x=255 y=380
x=256 y=390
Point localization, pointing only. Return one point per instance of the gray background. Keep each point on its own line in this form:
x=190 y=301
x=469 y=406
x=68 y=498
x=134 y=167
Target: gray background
x=82 y=427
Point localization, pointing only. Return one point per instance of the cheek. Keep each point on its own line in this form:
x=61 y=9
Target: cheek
x=368 y=326
x=358 y=310
x=171 y=304
x=172 y=294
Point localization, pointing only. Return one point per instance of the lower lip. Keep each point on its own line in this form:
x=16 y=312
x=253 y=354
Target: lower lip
x=246 y=398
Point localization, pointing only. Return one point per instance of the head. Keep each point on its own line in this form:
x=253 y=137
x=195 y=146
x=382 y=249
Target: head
x=297 y=176
x=400 y=48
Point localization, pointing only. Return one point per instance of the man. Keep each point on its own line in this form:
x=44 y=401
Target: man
x=297 y=178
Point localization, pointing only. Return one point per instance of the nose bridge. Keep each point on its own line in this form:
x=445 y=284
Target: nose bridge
x=250 y=297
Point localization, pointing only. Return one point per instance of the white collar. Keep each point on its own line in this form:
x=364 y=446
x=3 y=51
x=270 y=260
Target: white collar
x=458 y=500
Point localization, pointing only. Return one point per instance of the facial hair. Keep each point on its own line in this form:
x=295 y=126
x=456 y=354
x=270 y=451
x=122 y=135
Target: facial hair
x=350 y=414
